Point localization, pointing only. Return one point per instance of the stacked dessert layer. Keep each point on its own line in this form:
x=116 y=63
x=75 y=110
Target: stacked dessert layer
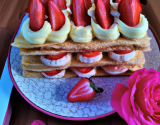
x=80 y=50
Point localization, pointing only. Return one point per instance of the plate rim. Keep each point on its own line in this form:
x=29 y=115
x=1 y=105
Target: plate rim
x=39 y=108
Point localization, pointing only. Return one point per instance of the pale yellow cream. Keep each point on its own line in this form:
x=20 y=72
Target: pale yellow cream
x=81 y=34
x=61 y=35
x=104 y=34
x=136 y=32
x=38 y=37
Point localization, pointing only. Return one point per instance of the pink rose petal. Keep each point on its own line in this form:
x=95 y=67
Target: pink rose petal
x=144 y=119
x=153 y=71
x=117 y=94
x=126 y=106
x=134 y=121
x=156 y=93
x=133 y=77
x=142 y=98
x=153 y=104
x=132 y=98
x=38 y=122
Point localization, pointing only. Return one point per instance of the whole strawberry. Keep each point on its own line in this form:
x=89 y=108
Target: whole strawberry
x=84 y=90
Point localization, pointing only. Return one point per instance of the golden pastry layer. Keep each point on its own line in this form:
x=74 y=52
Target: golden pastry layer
x=70 y=74
x=95 y=45
x=33 y=62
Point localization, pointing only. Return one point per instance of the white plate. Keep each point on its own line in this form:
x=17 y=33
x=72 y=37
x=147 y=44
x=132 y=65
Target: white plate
x=50 y=95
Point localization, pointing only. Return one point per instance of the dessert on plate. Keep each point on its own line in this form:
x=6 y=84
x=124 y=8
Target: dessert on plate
x=70 y=38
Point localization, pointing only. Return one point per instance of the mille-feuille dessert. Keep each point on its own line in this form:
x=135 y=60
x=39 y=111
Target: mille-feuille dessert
x=70 y=38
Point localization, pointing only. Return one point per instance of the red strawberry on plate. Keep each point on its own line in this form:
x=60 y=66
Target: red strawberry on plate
x=57 y=18
x=84 y=90
x=36 y=15
x=130 y=12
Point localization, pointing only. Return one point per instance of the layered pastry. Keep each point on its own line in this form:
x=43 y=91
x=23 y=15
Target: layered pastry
x=82 y=38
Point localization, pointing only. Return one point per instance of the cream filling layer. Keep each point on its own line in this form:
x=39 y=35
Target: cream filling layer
x=136 y=32
x=61 y=35
x=87 y=75
x=113 y=72
x=104 y=34
x=122 y=57
x=58 y=62
x=59 y=75
x=81 y=34
x=91 y=59
x=38 y=37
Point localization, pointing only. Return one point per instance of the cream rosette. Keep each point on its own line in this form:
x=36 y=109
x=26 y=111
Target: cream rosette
x=136 y=32
x=81 y=34
x=61 y=35
x=38 y=37
x=104 y=34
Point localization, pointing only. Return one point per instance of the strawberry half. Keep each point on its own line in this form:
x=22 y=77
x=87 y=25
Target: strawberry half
x=117 y=1
x=84 y=69
x=52 y=73
x=123 y=51
x=130 y=11
x=36 y=15
x=45 y=4
x=91 y=54
x=57 y=18
x=80 y=16
x=61 y=4
x=119 y=68
x=88 y=4
x=55 y=57
x=84 y=90
x=102 y=14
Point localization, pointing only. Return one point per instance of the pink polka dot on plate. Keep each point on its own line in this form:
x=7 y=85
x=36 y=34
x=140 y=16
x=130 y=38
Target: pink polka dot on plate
x=38 y=122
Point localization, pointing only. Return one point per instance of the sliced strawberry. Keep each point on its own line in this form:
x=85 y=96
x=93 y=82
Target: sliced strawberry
x=102 y=14
x=36 y=14
x=61 y=4
x=91 y=54
x=55 y=57
x=80 y=16
x=57 y=18
x=95 y=2
x=45 y=4
x=52 y=73
x=117 y=1
x=88 y=4
x=84 y=90
x=71 y=6
x=119 y=68
x=84 y=69
x=130 y=11
x=123 y=52
x=29 y=6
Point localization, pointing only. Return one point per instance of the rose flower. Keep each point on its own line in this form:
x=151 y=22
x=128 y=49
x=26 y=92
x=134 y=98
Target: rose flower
x=140 y=103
